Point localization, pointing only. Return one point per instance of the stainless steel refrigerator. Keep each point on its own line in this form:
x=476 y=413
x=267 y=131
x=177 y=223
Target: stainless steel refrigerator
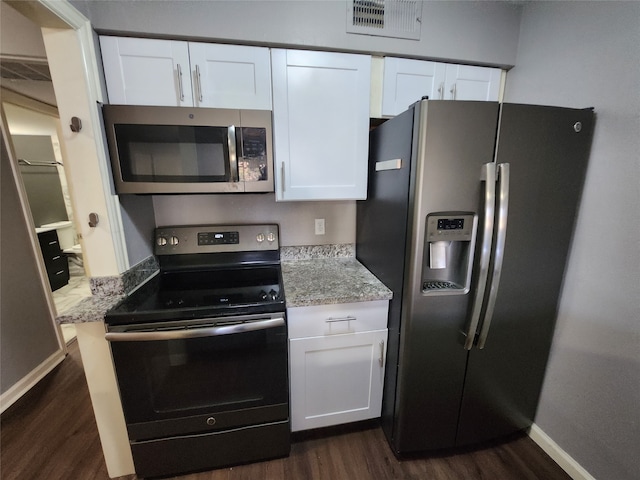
x=469 y=218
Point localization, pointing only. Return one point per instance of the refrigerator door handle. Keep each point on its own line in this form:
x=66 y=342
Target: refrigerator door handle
x=501 y=236
x=489 y=177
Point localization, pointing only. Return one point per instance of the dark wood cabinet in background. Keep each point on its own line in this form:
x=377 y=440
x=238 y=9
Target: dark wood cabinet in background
x=55 y=261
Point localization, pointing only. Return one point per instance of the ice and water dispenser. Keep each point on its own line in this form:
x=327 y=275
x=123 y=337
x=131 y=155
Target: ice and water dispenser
x=448 y=253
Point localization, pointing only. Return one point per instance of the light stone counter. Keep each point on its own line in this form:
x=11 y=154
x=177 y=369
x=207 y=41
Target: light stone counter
x=327 y=275
x=107 y=292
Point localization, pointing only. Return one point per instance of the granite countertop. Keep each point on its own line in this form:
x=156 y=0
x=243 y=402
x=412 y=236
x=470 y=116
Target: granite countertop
x=322 y=281
x=312 y=275
x=90 y=309
x=107 y=292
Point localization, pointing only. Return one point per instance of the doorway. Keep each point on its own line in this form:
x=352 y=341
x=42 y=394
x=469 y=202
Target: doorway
x=29 y=105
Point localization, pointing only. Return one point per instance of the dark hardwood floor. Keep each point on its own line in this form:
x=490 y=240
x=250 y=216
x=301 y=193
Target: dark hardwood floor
x=51 y=434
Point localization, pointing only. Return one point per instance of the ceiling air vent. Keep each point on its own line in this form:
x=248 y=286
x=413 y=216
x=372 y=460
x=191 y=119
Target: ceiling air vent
x=385 y=18
x=24 y=70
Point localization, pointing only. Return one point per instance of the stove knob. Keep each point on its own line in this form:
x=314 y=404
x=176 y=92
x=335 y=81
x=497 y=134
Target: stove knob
x=161 y=241
x=263 y=295
x=174 y=241
x=271 y=237
x=260 y=237
x=273 y=295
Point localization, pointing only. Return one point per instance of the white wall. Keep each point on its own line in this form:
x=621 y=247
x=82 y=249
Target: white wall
x=582 y=54
x=19 y=36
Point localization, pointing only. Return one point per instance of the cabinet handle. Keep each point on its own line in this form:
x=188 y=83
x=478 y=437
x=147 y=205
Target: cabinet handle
x=198 y=83
x=60 y=272
x=282 y=177
x=53 y=242
x=56 y=257
x=180 y=89
x=381 y=358
x=441 y=90
x=341 y=319
x=453 y=92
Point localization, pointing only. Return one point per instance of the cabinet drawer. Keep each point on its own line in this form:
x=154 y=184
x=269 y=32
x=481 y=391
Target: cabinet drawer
x=56 y=264
x=49 y=244
x=337 y=319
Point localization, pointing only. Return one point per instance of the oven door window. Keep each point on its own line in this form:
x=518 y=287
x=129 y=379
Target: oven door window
x=166 y=379
x=174 y=154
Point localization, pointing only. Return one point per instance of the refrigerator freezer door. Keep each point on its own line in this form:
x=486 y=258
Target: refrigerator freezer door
x=548 y=160
x=452 y=143
x=382 y=232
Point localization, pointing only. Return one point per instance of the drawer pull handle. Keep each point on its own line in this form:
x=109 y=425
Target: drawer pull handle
x=56 y=257
x=60 y=272
x=341 y=319
x=53 y=242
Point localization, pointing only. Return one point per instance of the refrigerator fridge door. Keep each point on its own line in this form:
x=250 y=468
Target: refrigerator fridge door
x=547 y=149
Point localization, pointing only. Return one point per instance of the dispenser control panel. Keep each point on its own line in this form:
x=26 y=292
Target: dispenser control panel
x=450 y=227
x=450 y=223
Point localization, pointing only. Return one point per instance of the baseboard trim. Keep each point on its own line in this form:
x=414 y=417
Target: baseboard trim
x=562 y=458
x=14 y=393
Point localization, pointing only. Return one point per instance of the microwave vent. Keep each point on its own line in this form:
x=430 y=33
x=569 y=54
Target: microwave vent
x=385 y=18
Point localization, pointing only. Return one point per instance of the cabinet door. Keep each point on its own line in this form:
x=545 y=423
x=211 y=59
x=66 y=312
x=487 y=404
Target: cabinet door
x=231 y=76
x=464 y=82
x=146 y=72
x=336 y=378
x=320 y=124
x=406 y=81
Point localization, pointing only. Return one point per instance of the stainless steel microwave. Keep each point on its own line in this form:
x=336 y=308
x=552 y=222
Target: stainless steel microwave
x=189 y=150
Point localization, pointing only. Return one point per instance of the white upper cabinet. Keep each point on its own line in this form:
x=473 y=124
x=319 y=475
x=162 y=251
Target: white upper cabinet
x=146 y=72
x=465 y=82
x=142 y=71
x=406 y=81
x=320 y=124
x=231 y=76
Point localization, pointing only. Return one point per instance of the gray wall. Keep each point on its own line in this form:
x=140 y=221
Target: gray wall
x=583 y=54
x=296 y=219
x=27 y=334
x=468 y=32
x=138 y=223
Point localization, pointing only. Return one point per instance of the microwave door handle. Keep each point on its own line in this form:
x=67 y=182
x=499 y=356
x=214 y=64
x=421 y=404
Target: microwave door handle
x=233 y=158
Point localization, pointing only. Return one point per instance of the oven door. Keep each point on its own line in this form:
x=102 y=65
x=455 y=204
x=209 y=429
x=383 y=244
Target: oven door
x=205 y=375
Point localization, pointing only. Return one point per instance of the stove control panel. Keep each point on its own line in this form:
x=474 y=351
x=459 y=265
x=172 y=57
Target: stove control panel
x=172 y=240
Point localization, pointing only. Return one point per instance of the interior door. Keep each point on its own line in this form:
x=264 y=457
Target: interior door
x=547 y=149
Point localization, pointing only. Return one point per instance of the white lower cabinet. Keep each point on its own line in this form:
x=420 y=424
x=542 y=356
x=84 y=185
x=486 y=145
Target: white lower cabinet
x=337 y=356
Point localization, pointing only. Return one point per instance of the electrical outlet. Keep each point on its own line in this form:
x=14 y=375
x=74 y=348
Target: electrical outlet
x=319 y=226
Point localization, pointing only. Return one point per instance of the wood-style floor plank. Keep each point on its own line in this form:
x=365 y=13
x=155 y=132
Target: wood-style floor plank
x=51 y=434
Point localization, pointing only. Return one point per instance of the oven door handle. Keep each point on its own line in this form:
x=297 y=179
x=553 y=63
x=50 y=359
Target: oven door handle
x=187 y=333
